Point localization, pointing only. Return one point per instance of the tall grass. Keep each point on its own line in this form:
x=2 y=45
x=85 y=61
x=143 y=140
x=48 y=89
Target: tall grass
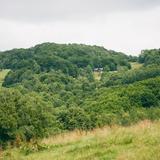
x=3 y=73
x=97 y=75
x=138 y=142
x=136 y=65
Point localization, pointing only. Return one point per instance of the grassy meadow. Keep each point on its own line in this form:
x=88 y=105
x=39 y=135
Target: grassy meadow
x=3 y=73
x=97 y=75
x=135 y=65
x=137 y=142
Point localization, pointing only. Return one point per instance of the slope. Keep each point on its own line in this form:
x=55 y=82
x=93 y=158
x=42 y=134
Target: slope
x=141 y=141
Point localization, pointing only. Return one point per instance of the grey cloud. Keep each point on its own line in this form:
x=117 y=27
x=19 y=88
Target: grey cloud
x=123 y=25
x=58 y=10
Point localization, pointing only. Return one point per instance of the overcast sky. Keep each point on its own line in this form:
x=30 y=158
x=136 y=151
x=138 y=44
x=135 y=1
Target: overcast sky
x=122 y=25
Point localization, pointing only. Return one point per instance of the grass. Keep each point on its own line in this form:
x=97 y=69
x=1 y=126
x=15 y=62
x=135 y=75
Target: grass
x=3 y=73
x=137 y=142
x=136 y=65
x=97 y=75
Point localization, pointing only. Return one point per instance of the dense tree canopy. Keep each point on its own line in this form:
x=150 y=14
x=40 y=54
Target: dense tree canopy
x=149 y=57
x=52 y=88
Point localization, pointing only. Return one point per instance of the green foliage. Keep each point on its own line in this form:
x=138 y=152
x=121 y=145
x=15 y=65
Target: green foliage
x=74 y=118
x=149 y=57
x=50 y=88
x=131 y=76
x=67 y=58
x=24 y=116
x=122 y=104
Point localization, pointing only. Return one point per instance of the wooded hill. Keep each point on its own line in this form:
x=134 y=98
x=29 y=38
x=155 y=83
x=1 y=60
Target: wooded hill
x=51 y=88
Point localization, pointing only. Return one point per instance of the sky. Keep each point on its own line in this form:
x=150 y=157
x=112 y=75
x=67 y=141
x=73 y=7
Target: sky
x=127 y=26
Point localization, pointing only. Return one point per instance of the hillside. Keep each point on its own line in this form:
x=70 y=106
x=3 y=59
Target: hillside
x=67 y=58
x=140 y=141
x=51 y=89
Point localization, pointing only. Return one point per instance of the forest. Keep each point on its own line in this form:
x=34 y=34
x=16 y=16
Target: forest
x=52 y=88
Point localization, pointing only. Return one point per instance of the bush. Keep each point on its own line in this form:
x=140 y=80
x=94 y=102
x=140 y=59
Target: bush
x=25 y=116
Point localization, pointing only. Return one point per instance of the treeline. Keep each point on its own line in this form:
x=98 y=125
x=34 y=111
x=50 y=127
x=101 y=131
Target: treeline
x=130 y=76
x=150 y=60
x=70 y=59
x=149 y=57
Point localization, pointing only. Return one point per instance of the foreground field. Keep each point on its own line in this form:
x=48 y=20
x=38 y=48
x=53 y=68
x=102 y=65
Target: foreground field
x=138 y=142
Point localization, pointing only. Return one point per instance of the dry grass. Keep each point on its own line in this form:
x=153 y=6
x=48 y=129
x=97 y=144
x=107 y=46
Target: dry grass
x=97 y=75
x=137 y=142
x=76 y=135
x=135 y=65
x=3 y=73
